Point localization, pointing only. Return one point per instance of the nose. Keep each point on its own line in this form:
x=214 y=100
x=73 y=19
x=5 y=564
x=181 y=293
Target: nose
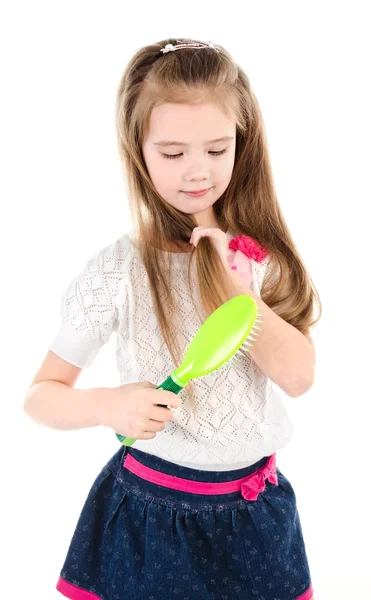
x=197 y=173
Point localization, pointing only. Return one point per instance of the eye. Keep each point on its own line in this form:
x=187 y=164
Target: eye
x=176 y=155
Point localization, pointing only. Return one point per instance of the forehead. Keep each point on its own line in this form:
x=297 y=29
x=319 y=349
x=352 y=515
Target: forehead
x=189 y=123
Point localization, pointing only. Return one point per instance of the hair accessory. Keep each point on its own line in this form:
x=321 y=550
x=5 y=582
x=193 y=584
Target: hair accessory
x=250 y=247
x=191 y=44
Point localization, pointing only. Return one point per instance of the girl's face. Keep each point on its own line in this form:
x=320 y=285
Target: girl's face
x=198 y=163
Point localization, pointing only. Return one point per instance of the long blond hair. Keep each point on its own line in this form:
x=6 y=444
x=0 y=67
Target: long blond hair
x=248 y=206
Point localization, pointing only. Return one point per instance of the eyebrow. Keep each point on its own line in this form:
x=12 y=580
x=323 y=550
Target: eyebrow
x=172 y=143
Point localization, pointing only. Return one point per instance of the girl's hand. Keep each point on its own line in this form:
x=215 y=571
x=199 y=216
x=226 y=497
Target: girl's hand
x=131 y=409
x=217 y=235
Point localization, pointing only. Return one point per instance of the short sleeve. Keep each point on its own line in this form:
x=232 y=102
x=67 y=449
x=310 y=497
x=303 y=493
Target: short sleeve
x=88 y=309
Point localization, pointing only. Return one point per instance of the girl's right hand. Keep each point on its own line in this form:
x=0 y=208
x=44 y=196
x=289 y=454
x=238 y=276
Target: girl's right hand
x=131 y=409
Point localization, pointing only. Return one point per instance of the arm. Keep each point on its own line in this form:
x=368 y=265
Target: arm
x=58 y=406
x=281 y=351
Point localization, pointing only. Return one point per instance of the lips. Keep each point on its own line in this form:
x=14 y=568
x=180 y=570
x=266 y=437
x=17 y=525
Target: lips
x=199 y=193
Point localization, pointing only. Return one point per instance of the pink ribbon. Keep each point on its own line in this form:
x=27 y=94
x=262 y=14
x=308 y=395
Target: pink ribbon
x=255 y=483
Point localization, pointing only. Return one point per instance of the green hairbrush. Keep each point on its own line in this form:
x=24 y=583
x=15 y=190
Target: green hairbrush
x=224 y=334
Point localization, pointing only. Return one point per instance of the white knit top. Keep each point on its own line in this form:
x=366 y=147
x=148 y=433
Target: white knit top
x=239 y=417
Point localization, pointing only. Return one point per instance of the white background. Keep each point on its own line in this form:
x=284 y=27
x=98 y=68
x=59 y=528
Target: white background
x=63 y=199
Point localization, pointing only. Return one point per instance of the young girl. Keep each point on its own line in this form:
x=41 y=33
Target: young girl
x=196 y=508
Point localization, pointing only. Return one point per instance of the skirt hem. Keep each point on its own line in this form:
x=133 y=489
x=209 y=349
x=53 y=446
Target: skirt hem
x=308 y=594
x=75 y=592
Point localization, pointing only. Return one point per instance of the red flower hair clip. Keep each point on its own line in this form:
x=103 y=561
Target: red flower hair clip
x=241 y=249
x=250 y=247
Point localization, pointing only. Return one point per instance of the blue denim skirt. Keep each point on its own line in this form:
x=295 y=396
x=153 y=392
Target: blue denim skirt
x=151 y=529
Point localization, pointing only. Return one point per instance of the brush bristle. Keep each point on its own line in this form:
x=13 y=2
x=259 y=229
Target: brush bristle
x=246 y=345
x=253 y=336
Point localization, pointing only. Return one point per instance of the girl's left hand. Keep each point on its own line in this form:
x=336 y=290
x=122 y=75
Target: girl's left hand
x=217 y=235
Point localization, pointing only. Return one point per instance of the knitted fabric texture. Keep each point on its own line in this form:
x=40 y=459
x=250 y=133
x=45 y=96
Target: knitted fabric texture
x=239 y=417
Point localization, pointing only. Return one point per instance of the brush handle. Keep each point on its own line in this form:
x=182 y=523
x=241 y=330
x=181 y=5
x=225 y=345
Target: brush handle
x=169 y=385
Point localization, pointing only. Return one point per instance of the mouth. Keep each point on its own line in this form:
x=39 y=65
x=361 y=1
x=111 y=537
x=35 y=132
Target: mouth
x=196 y=193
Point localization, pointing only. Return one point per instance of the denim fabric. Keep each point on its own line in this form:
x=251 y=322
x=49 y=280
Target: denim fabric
x=139 y=540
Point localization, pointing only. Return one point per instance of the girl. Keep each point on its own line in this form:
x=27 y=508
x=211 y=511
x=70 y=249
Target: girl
x=197 y=507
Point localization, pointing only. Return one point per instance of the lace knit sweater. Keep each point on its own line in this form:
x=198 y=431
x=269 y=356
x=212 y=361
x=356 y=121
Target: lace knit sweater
x=239 y=417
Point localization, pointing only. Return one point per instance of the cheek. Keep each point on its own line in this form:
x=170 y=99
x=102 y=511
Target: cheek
x=228 y=167
x=223 y=177
x=162 y=176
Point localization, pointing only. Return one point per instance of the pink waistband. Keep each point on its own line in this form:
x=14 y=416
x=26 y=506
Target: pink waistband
x=250 y=486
